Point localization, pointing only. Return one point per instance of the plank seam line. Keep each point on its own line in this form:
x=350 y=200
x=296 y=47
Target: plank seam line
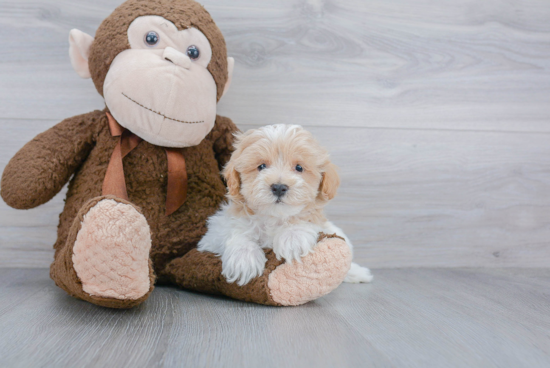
x=352 y=127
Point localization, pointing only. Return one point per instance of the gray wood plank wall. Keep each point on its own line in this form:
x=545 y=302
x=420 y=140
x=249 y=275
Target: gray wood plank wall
x=437 y=112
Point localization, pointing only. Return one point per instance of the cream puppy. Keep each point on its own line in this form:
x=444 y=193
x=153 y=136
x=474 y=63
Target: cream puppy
x=279 y=179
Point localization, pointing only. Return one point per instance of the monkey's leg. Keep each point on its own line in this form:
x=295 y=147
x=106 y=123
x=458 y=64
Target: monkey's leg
x=282 y=284
x=105 y=260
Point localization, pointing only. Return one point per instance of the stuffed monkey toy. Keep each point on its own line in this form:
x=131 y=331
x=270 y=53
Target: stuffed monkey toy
x=144 y=172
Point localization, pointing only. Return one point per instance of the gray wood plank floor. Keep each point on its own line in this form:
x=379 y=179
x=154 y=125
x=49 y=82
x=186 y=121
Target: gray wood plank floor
x=407 y=318
x=409 y=204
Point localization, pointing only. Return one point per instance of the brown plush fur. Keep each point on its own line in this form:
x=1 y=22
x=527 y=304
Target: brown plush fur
x=112 y=38
x=41 y=168
x=83 y=145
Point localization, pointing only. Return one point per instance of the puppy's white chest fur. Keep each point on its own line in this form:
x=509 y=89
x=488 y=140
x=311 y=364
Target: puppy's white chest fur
x=239 y=240
x=271 y=230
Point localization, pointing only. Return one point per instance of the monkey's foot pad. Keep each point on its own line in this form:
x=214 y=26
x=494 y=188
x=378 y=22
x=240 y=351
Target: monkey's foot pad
x=319 y=273
x=111 y=251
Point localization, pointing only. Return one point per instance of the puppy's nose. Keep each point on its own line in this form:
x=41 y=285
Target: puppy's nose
x=279 y=190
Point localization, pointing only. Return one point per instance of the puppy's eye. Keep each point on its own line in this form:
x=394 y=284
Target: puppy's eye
x=151 y=38
x=261 y=167
x=299 y=168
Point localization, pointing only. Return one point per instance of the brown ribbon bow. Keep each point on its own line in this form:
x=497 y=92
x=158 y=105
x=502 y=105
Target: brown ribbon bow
x=115 y=184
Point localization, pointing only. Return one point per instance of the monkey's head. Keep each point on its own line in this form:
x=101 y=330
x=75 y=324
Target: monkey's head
x=161 y=66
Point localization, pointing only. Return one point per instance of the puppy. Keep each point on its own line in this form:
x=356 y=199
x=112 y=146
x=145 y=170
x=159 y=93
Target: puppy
x=279 y=179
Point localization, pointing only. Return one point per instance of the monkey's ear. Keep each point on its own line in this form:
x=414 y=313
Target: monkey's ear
x=230 y=67
x=79 y=51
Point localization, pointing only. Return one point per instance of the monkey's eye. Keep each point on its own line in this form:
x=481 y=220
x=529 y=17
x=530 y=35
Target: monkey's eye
x=299 y=168
x=151 y=38
x=193 y=52
x=261 y=167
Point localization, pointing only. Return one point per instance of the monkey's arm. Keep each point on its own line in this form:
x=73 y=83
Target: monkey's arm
x=223 y=139
x=40 y=169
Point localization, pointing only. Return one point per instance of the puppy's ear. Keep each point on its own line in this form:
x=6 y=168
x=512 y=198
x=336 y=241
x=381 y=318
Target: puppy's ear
x=329 y=183
x=230 y=173
x=232 y=178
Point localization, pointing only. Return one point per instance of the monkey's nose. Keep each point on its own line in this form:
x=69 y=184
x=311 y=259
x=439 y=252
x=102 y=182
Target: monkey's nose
x=279 y=190
x=176 y=57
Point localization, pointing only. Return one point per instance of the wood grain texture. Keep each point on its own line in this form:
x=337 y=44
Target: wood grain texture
x=407 y=318
x=436 y=112
x=430 y=64
x=409 y=198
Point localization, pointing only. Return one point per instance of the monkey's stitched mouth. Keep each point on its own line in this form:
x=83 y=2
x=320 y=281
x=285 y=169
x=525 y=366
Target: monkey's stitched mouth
x=161 y=114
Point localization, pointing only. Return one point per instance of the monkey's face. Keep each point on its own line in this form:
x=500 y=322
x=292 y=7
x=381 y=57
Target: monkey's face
x=160 y=88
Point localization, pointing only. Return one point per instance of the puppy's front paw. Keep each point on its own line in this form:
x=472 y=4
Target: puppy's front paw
x=358 y=274
x=294 y=243
x=243 y=263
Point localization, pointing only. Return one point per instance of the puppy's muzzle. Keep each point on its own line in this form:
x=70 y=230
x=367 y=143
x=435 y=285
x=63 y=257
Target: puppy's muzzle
x=279 y=190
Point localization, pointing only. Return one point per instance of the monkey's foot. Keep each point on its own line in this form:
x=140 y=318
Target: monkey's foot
x=318 y=274
x=111 y=250
x=281 y=284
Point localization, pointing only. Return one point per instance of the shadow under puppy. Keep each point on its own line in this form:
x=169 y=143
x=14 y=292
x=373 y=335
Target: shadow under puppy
x=279 y=180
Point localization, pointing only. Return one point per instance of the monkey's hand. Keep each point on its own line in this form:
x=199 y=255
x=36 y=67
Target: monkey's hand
x=40 y=169
x=223 y=139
